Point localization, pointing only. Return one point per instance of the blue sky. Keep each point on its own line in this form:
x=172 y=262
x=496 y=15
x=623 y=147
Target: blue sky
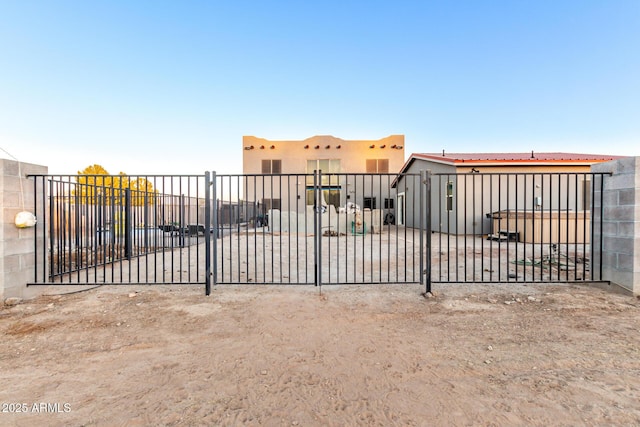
x=171 y=87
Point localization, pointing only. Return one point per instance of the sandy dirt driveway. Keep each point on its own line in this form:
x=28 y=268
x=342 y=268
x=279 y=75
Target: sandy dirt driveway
x=349 y=355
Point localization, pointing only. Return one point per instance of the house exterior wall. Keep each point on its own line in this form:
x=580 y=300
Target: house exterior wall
x=476 y=196
x=407 y=190
x=294 y=156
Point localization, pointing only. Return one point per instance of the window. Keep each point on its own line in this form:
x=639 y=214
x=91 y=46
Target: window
x=369 y=203
x=328 y=167
x=330 y=181
x=450 y=195
x=330 y=195
x=388 y=203
x=377 y=165
x=270 y=167
x=270 y=204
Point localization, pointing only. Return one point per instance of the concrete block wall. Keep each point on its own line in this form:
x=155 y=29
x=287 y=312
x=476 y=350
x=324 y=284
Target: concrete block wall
x=17 y=256
x=620 y=205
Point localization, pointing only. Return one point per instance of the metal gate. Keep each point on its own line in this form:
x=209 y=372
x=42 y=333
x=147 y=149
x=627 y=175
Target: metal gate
x=320 y=229
x=516 y=227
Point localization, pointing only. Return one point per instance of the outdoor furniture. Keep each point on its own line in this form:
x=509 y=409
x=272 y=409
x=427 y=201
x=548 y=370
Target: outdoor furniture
x=195 y=229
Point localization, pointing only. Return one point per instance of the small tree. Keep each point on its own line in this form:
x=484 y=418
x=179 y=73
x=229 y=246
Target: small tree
x=142 y=191
x=96 y=186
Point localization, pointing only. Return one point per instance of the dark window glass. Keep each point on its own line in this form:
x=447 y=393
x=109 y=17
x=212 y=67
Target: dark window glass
x=369 y=202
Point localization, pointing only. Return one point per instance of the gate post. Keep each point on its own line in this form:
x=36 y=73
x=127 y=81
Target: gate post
x=427 y=184
x=317 y=220
x=207 y=234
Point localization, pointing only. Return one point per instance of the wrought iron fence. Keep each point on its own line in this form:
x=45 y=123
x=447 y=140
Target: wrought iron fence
x=96 y=229
x=314 y=229
x=513 y=227
x=319 y=228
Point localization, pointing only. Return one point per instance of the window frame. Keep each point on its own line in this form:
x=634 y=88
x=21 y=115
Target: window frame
x=269 y=166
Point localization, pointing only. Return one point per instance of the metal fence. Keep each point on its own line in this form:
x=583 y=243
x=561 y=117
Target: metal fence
x=319 y=228
x=99 y=229
x=314 y=229
x=513 y=227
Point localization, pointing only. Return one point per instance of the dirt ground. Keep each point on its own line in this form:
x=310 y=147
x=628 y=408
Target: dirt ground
x=343 y=355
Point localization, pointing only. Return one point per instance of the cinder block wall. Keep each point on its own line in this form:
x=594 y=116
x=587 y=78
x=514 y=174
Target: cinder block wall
x=17 y=255
x=621 y=223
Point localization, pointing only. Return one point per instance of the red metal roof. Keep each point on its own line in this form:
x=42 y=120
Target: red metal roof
x=506 y=159
x=529 y=157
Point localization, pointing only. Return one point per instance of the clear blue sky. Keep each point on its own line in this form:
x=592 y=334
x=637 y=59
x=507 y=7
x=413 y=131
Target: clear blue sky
x=171 y=87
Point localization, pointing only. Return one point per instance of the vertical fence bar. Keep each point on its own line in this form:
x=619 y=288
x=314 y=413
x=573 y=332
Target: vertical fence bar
x=440 y=230
x=575 y=225
x=559 y=236
x=269 y=227
x=465 y=219
x=421 y=213
x=219 y=208
x=128 y=245
x=306 y=228
x=258 y=221
x=317 y=214
x=482 y=197
x=576 y=234
x=534 y=209
x=216 y=225
x=391 y=205
x=474 y=224
x=601 y=223
x=237 y=217
x=52 y=224
x=374 y=200
x=289 y=228
x=524 y=231
x=35 y=234
x=429 y=228
x=550 y=246
x=508 y=213
x=515 y=226
x=207 y=233
x=585 y=256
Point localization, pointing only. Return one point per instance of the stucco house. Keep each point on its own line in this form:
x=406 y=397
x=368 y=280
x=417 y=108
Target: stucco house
x=353 y=186
x=469 y=189
x=338 y=159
